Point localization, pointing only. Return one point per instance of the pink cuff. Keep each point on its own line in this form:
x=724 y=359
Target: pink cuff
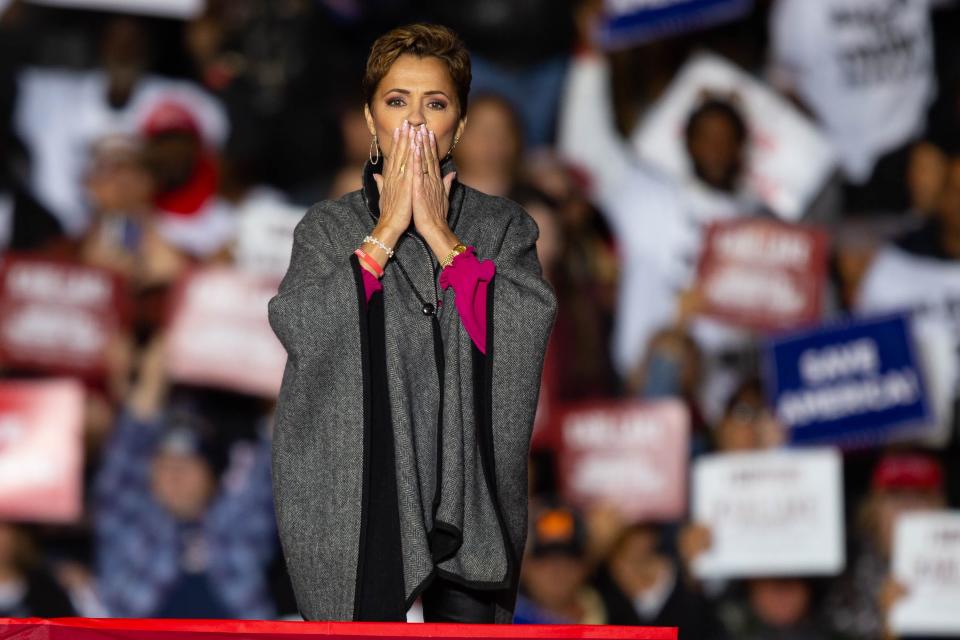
x=469 y=277
x=371 y=283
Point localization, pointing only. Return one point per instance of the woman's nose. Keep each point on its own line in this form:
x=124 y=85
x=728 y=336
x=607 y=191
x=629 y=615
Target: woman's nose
x=415 y=118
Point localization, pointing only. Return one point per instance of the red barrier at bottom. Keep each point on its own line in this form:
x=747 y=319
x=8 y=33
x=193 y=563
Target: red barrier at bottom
x=157 y=629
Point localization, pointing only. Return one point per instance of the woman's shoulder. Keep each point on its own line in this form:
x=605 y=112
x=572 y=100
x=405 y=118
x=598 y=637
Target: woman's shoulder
x=494 y=211
x=331 y=215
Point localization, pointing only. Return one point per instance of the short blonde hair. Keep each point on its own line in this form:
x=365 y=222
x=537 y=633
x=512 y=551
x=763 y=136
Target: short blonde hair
x=420 y=40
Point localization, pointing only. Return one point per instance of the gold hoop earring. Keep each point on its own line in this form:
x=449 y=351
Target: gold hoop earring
x=453 y=146
x=374 y=145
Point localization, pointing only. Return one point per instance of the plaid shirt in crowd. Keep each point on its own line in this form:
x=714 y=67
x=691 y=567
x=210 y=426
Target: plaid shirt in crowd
x=138 y=550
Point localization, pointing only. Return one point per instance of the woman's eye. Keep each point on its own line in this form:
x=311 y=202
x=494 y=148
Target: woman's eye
x=438 y=105
x=395 y=102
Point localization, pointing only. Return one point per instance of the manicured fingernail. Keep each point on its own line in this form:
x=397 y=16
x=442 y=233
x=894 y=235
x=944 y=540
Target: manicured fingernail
x=396 y=133
x=405 y=125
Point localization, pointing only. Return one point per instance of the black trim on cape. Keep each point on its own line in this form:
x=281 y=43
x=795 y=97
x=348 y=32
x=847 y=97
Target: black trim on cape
x=444 y=539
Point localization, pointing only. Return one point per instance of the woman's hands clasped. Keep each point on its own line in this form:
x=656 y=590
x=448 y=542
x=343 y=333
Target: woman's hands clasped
x=411 y=186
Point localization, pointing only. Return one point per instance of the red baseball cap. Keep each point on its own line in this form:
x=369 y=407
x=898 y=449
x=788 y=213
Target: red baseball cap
x=907 y=471
x=168 y=116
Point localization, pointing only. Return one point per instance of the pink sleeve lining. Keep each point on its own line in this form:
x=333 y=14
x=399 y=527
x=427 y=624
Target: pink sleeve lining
x=469 y=277
x=371 y=283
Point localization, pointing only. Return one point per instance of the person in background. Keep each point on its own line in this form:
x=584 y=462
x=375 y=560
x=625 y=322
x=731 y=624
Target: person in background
x=27 y=587
x=356 y=146
x=641 y=584
x=659 y=220
x=175 y=536
x=865 y=70
x=901 y=482
x=553 y=587
x=490 y=151
x=774 y=608
x=748 y=423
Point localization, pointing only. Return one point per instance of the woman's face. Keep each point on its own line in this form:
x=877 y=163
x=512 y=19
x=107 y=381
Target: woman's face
x=421 y=91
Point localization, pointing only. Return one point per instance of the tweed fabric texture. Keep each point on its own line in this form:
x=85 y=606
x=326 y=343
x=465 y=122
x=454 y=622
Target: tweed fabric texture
x=318 y=443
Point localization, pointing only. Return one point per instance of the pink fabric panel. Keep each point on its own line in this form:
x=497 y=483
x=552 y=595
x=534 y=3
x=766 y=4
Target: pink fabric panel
x=469 y=278
x=371 y=283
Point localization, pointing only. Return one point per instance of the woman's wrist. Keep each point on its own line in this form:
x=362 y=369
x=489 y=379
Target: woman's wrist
x=441 y=240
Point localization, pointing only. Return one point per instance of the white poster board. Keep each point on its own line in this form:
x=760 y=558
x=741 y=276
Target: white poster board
x=926 y=561
x=184 y=9
x=789 y=159
x=770 y=513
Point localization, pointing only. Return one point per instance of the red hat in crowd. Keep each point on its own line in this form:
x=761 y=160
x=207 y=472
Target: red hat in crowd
x=914 y=471
x=169 y=116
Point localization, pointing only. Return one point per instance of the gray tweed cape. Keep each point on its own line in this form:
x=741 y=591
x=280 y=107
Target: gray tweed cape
x=461 y=451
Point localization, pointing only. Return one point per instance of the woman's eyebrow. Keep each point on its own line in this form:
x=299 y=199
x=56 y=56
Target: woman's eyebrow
x=406 y=92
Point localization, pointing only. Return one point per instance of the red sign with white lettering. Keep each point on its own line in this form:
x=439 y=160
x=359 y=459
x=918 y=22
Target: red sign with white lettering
x=629 y=454
x=58 y=316
x=41 y=450
x=220 y=335
x=763 y=274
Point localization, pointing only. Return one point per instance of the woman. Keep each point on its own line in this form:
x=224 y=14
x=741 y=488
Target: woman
x=404 y=417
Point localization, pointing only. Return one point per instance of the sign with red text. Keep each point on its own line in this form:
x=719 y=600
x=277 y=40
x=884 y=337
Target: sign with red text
x=220 y=335
x=926 y=562
x=41 y=450
x=58 y=316
x=788 y=159
x=770 y=513
x=629 y=454
x=763 y=274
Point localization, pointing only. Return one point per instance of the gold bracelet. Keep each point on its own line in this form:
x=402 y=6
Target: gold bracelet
x=448 y=259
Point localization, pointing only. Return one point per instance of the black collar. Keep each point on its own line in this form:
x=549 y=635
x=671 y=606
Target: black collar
x=371 y=195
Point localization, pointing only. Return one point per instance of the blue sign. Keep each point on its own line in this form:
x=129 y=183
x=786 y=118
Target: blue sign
x=853 y=384
x=631 y=22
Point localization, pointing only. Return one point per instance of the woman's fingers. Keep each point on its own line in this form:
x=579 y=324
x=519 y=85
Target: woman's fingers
x=418 y=162
x=387 y=160
x=434 y=155
x=379 y=180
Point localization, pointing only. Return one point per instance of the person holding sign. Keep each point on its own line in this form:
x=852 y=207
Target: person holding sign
x=400 y=449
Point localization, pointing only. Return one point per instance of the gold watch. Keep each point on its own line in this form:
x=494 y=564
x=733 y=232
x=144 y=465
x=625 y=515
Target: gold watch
x=457 y=250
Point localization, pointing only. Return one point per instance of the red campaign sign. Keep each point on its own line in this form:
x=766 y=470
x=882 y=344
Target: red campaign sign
x=626 y=453
x=58 y=316
x=41 y=450
x=220 y=335
x=763 y=274
x=153 y=629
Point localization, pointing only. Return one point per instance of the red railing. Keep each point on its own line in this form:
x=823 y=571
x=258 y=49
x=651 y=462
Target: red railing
x=163 y=629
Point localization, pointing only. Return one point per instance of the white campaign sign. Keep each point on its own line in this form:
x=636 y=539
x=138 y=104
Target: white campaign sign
x=184 y=9
x=770 y=513
x=789 y=159
x=926 y=561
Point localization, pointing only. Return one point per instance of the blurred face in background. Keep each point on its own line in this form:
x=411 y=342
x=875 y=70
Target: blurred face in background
x=926 y=176
x=748 y=425
x=635 y=564
x=779 y=602
x=171 y=158
x=553 y=579
x=15 y=547
x=949 y=203
x=888 y=505
x=421 y=91
x=493 y=143
x=717 y=149
x=183 y=484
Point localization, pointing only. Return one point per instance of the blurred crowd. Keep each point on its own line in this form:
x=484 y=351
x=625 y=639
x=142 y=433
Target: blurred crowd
x=146 y=145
